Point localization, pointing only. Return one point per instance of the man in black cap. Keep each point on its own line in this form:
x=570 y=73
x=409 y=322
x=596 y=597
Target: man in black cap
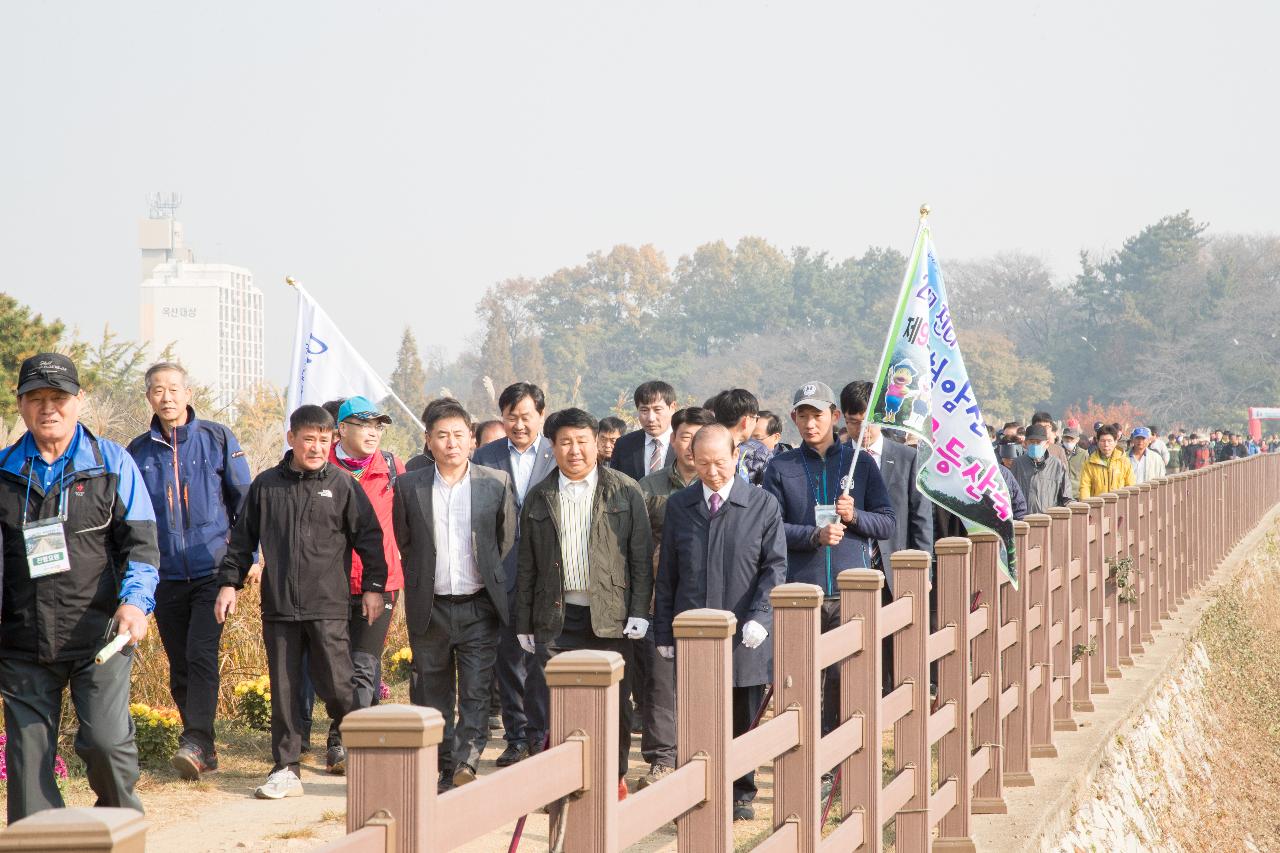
x=79 y=572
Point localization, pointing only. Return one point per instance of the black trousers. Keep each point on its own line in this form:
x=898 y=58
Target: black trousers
x=329 y=648
x=655 y=685
x=32 y=694
x=831 y=675
x=577 y=634
x=459 y=646
x=522 y=688
x=367 y=642
x=190 y=635
x=746 y=703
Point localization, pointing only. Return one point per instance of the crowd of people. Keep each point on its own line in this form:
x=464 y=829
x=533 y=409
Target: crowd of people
x=507 y=541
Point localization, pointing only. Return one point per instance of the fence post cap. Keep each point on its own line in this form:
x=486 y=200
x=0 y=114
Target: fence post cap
x=1078 y=507
x=584 y=668
x=704 y=624
x=1110 y=497
x=392 y=727
x=1150 y=485
x=1093 y=502
x=1057 y=512
x=108 y=829
x=1020 y=527
x=909 y=559
x=796 y=595
x=984 y=536
x=1038 y=519
x=952 y=545
x=860 y=580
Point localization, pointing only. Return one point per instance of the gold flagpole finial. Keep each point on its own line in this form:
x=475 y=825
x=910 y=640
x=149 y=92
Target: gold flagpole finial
x=291 y=281
x=924 y=212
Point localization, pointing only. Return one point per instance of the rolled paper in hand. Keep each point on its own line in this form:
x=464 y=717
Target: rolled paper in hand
x=111 y=648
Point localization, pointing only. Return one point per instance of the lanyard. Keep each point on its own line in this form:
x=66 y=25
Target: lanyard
x=62 y=493
x=813 y=481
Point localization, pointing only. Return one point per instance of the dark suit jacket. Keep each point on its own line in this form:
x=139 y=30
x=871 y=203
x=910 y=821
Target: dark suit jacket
x=912 y=510
x=493 y=533
x=629 y=458
x=496 y=455
x=730 y=562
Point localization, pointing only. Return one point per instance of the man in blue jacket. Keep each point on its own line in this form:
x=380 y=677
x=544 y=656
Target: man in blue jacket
x=827 y=530
x=198 y=478
x=79 y=571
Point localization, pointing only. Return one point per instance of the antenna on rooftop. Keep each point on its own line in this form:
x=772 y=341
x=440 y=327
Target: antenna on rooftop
x=164 y=206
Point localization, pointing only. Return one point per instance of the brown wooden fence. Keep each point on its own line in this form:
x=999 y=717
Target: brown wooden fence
x=1097 y=579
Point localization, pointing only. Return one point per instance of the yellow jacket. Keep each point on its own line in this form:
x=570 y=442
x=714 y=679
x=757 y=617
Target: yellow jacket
x=1105 y=475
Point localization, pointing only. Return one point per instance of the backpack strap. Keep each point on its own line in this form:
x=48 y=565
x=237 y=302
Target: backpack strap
x=391 y=467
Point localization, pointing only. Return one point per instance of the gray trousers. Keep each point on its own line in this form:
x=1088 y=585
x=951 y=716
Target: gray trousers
x=32 y=694
x=657 y=701
x=459 y=646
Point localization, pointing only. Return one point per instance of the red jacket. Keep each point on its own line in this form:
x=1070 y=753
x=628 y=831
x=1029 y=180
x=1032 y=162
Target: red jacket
x=376 y=483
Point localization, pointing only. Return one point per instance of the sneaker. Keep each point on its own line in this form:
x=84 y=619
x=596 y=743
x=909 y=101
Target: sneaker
x=537 y=745
x=445 y=782
x=190 y=762
x=742 y=810
x=656 y=772
x=513 y=753
x=280 y=784
x=336 y=760
x=495 y=723
x=464 y=774
x=622 y=789
x=828 y=782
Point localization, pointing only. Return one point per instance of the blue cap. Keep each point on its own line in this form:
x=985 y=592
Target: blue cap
x=360 y=407
x=1140 y=432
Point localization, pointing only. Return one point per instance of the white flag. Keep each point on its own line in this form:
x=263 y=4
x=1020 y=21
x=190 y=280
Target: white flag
x=325 y=365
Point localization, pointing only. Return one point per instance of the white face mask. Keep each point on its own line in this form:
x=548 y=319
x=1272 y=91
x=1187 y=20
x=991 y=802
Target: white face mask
x=1069 y=444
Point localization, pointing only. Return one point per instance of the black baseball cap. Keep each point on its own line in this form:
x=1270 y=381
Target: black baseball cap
x=48 y=370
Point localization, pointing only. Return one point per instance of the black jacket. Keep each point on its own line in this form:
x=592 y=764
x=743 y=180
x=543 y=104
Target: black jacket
x=307 y=524
x=493 y=533
x=629 y=458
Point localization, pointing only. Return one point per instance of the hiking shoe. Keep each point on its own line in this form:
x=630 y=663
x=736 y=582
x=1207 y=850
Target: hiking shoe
x=656 y=772
x=495 y=723
x=742 y=810
x=280 y=784
x=513 y=753
x=537 y=745
x=445 y=782
x=336 y=760
x=464 y=774
x=190 y=762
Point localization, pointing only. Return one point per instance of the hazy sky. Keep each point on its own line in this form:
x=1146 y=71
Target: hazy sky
x=398 y=158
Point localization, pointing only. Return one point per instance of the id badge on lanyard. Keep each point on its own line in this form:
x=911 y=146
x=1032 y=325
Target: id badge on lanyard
x=47 y=545
x=46 y=541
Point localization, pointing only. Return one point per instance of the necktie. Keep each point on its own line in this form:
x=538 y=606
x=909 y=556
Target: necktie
x=715 y=503
x=655 y=457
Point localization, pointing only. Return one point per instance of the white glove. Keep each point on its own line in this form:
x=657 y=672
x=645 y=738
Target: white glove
x=636 y=628
x=667 y=652
x=753 y=634
x=526 y=643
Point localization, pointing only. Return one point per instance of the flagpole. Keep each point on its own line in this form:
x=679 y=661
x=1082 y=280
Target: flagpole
x=293 y=282
x=907 y=279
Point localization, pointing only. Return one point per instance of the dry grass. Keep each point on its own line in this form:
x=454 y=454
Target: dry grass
x=295 y=832
x=1240 y=632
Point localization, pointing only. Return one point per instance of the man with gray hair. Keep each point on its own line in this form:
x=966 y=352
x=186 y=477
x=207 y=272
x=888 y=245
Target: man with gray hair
x=198 y=478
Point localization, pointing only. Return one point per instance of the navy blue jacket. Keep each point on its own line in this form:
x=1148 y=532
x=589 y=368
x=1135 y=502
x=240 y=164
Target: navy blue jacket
x=797 y=481
x=198 y=484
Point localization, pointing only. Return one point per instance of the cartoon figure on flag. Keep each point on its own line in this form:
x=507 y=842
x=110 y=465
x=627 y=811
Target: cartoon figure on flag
x=922 y=387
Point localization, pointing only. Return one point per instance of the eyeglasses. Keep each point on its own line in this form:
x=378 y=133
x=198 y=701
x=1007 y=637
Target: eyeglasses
x=372 y=426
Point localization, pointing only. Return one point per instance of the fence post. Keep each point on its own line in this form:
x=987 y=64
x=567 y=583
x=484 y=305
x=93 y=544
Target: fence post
x=860 y=696
x=1146 y=560
x=1039 y=648
x=584 y=700
x=911 y=667
x=953 y=582
x=1097 y=595
x=392 y=767
x=1158 y=525
x=1126 y=545
x=704 y=721
x=1109 y=534
x=1065 y=566
x=797 y=682
x=1015 y=668
x=1082 y=633
x=87 y=830
x=988 y=794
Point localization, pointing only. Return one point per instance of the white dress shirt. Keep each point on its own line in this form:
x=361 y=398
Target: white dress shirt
x=522 y=465
x=456 y=571
x=664 y=443
x=723 y=492
x=876 y=449
x=577 y=498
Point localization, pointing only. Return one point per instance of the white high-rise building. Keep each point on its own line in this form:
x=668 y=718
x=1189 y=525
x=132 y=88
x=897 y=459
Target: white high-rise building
x=209 y=316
